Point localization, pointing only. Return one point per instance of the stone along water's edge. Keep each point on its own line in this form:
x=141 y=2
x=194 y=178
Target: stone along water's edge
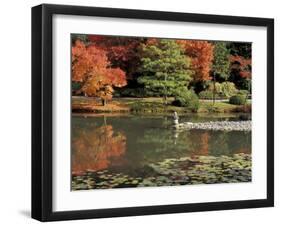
x=216 y=125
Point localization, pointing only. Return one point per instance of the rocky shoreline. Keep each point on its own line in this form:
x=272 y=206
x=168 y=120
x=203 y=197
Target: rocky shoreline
x=216 y=125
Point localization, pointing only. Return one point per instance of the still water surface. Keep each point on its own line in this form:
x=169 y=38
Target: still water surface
x=125 y=144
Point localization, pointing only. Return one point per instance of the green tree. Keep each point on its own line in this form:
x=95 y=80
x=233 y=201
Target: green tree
x=164 y=68
x=221 y=64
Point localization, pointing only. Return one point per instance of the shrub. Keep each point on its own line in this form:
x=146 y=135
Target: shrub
x=130 y=92
x=223 y=90
x=210 y=87
x=228 y=89
x=187 y=99
x=237 y=99
x=243 y=92
x=206 y=94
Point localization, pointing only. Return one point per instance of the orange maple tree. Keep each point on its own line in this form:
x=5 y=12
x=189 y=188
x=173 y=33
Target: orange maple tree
x=201 y=53
x=91 y=68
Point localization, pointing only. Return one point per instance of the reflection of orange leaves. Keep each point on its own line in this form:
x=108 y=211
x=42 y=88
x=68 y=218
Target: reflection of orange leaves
x=204 y=149
x=245 y=150
x=202 y=146
x=94 y=149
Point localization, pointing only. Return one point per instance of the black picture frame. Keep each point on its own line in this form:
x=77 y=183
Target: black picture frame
x=42 y=108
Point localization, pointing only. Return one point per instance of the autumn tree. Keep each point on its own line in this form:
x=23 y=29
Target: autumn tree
x=241 y=72
x=164 y=68
x=91 y=68
x=221 y=64
x=122 y=52
x=201 y=54
x=241 y=65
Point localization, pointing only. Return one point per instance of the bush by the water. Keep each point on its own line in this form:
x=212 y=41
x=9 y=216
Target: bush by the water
x=206 y=94
x=187 y=99
x=243 y=92
x=223 y=90
x=228 y=89
x=130 y=92
x=237 y=99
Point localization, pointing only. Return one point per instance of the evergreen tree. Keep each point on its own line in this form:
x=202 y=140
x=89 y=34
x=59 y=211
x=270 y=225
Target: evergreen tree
x=164 y=68
x=221 y=64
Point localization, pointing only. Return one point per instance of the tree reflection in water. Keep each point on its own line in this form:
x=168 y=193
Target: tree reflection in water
x=127 y=144
x=92 y=149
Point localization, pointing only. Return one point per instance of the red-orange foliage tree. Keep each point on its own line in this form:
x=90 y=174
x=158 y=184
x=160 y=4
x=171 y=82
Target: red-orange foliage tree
x=242 y=66
x=201 y=53
x=91 y=68
x=121 y=51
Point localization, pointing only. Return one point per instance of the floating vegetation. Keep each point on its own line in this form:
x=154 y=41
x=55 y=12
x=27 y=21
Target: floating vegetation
x=170 y=172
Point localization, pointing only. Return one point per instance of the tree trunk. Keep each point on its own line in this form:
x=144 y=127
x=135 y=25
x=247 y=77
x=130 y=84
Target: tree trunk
x=214 y=89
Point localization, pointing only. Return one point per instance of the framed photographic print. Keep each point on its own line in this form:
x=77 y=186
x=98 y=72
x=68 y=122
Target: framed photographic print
x=146 y=112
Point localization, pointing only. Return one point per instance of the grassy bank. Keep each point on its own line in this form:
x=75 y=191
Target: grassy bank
x=151 y=105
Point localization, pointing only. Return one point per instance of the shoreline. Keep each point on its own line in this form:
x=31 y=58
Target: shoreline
x=217 y=126
x=150 y=105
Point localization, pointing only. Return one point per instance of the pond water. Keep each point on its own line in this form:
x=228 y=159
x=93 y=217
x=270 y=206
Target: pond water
x=131 y=151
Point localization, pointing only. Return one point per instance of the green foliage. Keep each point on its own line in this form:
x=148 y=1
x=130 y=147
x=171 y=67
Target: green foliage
x=147 y=107
x=223 y=90
x=210 y=87
x=75 y=86
x=131 y=92
x=244 y=84
x=164 y=68
x=221 y=62
x=243 y=92
x=206 y=94
x=228 y=89
x=187 y=99
x=237 y=99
